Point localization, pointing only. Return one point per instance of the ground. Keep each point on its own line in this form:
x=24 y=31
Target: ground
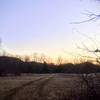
x=43 y=87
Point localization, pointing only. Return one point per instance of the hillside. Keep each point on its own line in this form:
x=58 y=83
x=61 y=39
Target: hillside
x=13 y=65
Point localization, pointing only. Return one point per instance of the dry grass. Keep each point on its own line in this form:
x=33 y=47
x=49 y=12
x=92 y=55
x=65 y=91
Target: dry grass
x=44 y=87
x=7 y=83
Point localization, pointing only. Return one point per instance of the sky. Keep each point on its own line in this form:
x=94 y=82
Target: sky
x=45 y=26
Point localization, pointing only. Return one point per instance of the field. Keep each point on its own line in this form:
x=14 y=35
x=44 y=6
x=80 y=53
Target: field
x=46 y=87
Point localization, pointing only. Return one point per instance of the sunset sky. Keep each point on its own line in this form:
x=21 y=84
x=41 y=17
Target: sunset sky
x=44 y=26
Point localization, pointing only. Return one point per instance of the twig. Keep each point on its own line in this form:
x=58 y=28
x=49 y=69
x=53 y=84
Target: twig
x=92 y=17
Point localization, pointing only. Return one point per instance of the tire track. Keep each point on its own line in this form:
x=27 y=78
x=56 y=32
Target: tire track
x=35 y=91
x=13 y=91
x=41 y=82
x=39 y=91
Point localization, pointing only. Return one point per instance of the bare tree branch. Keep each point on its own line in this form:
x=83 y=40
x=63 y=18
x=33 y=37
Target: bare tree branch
x=91 y=17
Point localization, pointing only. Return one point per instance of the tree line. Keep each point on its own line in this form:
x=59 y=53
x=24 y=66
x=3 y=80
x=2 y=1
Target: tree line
x=15 y=66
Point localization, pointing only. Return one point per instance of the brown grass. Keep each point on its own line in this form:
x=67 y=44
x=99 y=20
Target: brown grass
x=44 y=87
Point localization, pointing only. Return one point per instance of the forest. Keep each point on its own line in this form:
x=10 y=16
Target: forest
x=15 y=66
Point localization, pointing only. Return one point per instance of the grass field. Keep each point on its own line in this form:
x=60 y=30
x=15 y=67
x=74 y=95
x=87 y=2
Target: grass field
x=43 y=87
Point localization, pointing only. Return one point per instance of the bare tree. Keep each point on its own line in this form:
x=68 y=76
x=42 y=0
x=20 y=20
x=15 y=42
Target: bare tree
x=91 y=80
x=43 y=58
x=91 y=16
x=35 y=57
x=59 y=60
x=26 y=58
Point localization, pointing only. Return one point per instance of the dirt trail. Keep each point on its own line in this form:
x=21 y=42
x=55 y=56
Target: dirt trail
x=39 y=93
x=37 y=85
x=10 y=93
